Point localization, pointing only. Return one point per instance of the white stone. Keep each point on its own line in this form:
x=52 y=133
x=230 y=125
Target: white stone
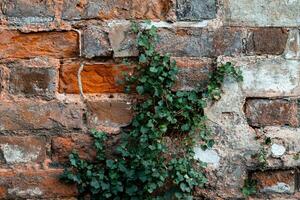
x=208 y=156
x=263 y=12
x=292 y=50
x=271 y=76
x=33 y=192
x=16 y=154
x=277 y=150
x=278 y=188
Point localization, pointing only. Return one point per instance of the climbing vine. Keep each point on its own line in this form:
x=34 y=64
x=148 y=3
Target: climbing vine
x=154 y=158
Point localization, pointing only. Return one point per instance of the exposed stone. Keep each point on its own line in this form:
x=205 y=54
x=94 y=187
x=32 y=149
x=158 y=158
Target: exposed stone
x=41 y=184
x=22 y=149
x=268 y=76
x=35 y=77
x=267 y=41
x=109 y=113
x=196 y=10
x=262 y=13
x=276 y=181
x=292 y=50
x=62 y=147
x=31 y=115
x=95 y=42
x=34 y=11
x=277 y=150
x=193 y=72
x=117 y=9
x=210 y=157
x=264 y=112
x=95 y=78
x=26 y=45
x=122 y=40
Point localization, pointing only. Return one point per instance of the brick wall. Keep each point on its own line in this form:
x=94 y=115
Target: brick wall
x=60 y=61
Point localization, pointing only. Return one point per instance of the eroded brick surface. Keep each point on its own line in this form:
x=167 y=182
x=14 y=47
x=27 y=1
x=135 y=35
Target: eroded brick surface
x=109 y=113
x=31 y=115
x=117 y=9
x=35 y=77
x=62 y=147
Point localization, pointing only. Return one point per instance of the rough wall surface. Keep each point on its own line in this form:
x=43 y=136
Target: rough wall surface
x=60 y=61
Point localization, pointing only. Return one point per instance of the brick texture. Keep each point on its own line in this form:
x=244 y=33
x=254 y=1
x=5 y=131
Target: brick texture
x=61 y=76
x=95 y=78
x=27 y=45
x=262 y=112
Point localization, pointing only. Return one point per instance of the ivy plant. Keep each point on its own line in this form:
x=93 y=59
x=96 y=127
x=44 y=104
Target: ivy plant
x=142 y=165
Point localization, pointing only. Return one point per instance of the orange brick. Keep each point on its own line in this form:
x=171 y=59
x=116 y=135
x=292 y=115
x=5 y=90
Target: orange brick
x=95 y=78
x=14 y=44
x=62 y=147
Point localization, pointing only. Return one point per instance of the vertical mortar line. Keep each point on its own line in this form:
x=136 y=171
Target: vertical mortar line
x=81 y=64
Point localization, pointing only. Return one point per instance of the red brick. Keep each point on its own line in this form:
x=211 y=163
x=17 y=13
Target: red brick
x=17 y=150
x=264 y=112
x=62 y=147
x=275 y=181
x=95 y=78
x=34 y=184
x=193 y=72
x=267 y=41
x=30 y=115
x=109 y=113
x=35 y=77
x=14 y=44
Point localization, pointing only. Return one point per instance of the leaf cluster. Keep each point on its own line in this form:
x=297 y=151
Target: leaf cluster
x=144 y=167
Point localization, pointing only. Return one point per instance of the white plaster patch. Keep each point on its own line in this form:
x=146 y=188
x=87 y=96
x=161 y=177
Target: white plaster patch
x=278 y=188
x=277 y=150
x=208 y=156
x=32 y=192
x=16 y=154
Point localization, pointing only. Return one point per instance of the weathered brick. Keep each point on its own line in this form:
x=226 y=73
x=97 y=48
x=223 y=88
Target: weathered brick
x=267 y=41
x=122 y=39
x=31 y=115
x=193 y=73
x=276 y=181
x=200 y=42
x=95 y=78
x=196 y=10
x=292 y=50
x=16 y=150
x=268 y=76
x=28 y=184
x=95 y=42
x=14 y=44
x=35 y=77
x=117 y=9
x=34 y=11
x=109 y=113
x=264 y=112
x=262 y=13
x=228 y=41
x=62 y=147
